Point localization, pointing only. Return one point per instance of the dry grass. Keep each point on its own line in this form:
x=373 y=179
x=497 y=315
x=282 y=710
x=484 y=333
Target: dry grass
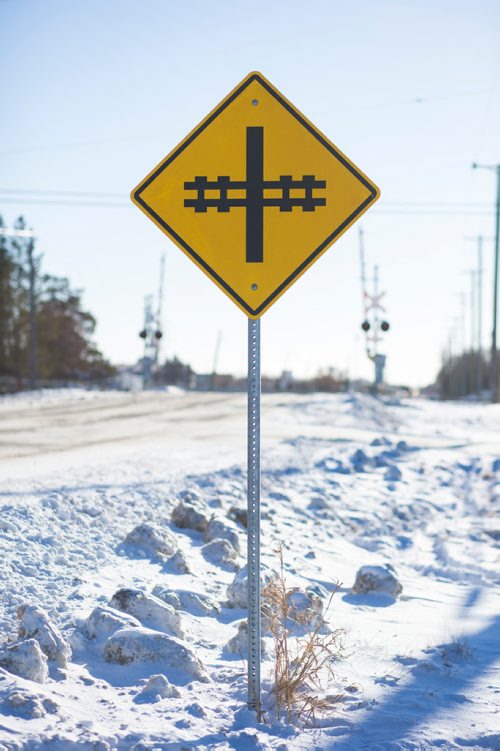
x=302 y=664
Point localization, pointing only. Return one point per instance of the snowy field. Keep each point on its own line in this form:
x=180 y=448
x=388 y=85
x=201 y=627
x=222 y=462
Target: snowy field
x=122 y=545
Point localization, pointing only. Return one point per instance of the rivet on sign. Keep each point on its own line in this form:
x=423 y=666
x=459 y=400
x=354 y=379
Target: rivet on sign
x=255 y=102
x=254 y=287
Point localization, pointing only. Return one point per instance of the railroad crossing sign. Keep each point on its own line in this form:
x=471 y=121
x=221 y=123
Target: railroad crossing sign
x=255 y=194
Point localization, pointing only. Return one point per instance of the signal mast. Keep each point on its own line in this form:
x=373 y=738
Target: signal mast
x=152 y=333
x=373 y=325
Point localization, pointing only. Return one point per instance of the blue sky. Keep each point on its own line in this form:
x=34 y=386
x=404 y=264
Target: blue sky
x=95 y=93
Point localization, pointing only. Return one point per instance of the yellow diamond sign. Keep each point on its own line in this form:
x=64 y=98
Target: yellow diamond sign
x=255 y=194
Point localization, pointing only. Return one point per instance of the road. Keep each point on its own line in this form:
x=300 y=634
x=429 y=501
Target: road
x=88 y=427
x=70 y=430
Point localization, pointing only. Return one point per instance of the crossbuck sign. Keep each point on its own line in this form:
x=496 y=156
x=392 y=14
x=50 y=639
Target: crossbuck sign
x=254 y=195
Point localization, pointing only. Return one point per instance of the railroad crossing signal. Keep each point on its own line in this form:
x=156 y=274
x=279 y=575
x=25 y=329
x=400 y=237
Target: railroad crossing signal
x=255 y=194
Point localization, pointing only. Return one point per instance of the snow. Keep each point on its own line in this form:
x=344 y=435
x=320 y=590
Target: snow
x=152 y=540
x=99 y=491
x=379 y=579
x=158 y=687
x=103 y=622
x=36 y=624
x=130 y=645
x=26 y=659
x=148 y=610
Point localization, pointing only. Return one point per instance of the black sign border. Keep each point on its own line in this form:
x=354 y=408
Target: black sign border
x=309 y=260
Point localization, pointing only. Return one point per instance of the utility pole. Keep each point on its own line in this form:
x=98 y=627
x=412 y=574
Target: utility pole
x=494 y=362
x=463 y=357
x=479 y=240
x=479 y=369
x=473 y=327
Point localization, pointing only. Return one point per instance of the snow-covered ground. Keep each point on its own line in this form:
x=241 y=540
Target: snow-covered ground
x=127 y=509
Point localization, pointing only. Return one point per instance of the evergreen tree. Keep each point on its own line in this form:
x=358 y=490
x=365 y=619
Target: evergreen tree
x=64 y=329
x=7 y=273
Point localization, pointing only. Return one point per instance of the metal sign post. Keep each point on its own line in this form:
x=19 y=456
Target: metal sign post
x=253 y=499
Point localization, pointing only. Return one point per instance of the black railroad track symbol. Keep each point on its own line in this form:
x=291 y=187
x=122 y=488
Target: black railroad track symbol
x=254 y=201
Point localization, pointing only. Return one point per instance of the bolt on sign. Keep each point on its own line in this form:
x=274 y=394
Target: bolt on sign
x=255 y=194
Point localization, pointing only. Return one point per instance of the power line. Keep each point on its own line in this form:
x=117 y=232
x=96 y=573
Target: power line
x=97 y=199
x=418 y=100
x=117 y=205
x=29 y=191
x=62 y=202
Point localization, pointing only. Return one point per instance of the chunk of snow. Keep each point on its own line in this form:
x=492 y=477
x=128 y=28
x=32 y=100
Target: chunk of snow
x=104 y=621
x=26 y=659
x=393 y=474
x=179 y=563
x=149 y=610
x=26 y=704
x=238 y=644
x=359 y=460
x=167 y=595
x=379 y=579
x=237 y=591
x=239 y=514
x=153 y=540
x=192 y=602
x=222 y=553
x=36 y=624
x=158 y=687
x=319 y=504
x=133 y=645
x=190 y=513
x=220 y=530
x=382 y=441
x=306 y=608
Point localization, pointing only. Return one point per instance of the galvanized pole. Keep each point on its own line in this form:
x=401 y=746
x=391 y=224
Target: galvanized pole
x=494 y=361
x=496 y=261
x=253 y=498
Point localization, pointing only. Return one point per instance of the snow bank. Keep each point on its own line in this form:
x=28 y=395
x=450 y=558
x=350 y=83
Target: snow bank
x=379 y=579
x=154 y=541
x=103 y=622
x=26 y=659
x=158 y=687
x=149 y=610
x=192 y=602
x=190 y=512
x=238 y=644
x=393 y=473
x=307 y=606
x=140 y=645
x=219 y=529
x=28 y=705
x=237 y=591
x=36 y=624
x=222 y=553
x=180 y=563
